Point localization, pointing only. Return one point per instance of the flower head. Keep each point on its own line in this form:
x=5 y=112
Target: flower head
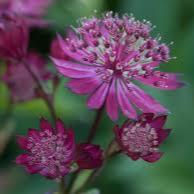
x=107 y=55
x=20 y=83
x=30 y=10
x=13 y=38
x=52 y=152
x=141 y=139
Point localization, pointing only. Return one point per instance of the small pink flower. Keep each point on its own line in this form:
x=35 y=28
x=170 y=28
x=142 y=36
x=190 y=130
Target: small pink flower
x=14 y=37
x=107 y=55
x=52 y=152
x=142 y=138
x=19 y=81
x=30 y=10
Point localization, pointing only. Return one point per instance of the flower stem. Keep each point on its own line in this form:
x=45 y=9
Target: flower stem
x=44 y=95
x=90 y=138
x=95 y=125
x=72 y=181
x=62 y=186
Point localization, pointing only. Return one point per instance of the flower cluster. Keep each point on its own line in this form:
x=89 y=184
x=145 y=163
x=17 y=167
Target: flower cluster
x=53 y=153
x=103 y=58
x=107 y=55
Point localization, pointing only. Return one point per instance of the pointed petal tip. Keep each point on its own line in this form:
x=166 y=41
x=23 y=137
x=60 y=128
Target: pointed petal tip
x=22 y=142
x=44 y=124
x=154 y=157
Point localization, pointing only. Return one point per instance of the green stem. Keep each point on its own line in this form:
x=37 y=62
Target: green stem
x=62 y=186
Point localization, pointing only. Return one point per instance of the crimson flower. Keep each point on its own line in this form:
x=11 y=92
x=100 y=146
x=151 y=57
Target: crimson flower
x=142 y=138
x=30 y=10
x=107 y=55
x=53 y=153
x=19 y=81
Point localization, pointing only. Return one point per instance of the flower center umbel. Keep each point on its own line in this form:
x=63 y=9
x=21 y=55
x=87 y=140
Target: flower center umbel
x=139 y=139
x=49 y=151
x=120 y=47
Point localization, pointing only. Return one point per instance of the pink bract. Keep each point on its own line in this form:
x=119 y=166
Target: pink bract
x=52 y=152
x=19 y=81
x=142 y=138
x=107 y=55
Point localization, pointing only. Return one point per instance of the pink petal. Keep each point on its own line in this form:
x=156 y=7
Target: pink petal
x=143 y=101
x=77 y=56
x=153 y=157
x=147 y=117
x=84 y=85
x=60 y=126
x=33 y=169
x=111 y=102
x=73 y=70
x=34 y=134
x=123 y=101
x=133 y=156
x=46 y=172
x=64 y=170
x=96 y=100
x=158 y=122
x=163 y=134
x=69 y=146
x=22 y=159
x=161 y=80
x=23 y=142
x=45 y=125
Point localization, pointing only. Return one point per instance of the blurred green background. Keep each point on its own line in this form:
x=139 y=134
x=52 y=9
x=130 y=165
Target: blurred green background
x=174 y=173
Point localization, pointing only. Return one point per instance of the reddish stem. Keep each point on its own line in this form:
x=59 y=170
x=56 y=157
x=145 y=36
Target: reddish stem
x=95 y=125
x=44 y=95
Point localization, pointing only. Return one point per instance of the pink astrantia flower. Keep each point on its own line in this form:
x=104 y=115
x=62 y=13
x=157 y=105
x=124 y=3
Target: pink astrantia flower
x=107 y=56
x=52 y=152
x=14 y=37
x=19 y=81
x=30 y=10
x=141 y=139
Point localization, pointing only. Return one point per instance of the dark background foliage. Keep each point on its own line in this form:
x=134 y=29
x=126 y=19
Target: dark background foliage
x=174 y=173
